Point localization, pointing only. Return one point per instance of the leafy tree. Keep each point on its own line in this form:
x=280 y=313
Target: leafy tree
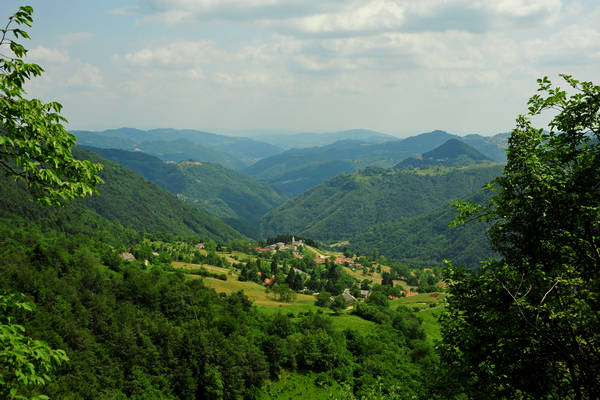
x=34 y=145
x=36 y=148
x=323 y=299
x=528 y=324
x=282 y=292
x=24 y=362
x=338 y=304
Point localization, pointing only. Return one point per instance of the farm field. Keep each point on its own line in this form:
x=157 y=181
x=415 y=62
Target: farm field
x=303 y=303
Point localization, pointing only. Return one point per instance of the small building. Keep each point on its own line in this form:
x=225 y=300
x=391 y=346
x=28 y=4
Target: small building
x=127 y=256
x=348 y=297
x=200 y=246
x=365 y=293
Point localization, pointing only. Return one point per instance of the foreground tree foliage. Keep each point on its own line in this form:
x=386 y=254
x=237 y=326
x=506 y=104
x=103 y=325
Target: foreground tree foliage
x=24 y=363
x=34 y=145
x=528 y=324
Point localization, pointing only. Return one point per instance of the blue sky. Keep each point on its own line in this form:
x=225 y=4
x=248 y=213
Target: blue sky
x=397 y=66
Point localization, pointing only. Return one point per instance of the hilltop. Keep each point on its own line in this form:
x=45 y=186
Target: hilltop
x=451 y=153
x=317 y=164
x=378 y=200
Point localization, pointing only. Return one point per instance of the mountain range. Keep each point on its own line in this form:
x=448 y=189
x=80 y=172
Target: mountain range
x=230 y=195
x=451 y=153
x=347 y=191
x=397 y=211
x=357 y=154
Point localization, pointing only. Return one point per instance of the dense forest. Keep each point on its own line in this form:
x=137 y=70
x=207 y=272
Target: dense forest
x=236 y=198
x=132 y=330
x=113 y=288
x=403 y=213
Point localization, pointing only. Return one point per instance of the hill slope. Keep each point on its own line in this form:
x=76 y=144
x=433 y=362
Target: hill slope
x=373 y=200
x=236 y=198
x=427 y=239
x=451 y=153
x=358 y=154
x=124 y=199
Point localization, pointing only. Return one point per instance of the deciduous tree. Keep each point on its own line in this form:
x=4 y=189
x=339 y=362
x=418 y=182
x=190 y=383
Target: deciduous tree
x=527 y=325
x=34 y=145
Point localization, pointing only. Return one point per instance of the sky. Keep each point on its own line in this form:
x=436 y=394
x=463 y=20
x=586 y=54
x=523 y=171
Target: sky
x=248 y=66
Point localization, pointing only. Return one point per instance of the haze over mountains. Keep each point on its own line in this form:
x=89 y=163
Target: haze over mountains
x=364 y=188
x=310 y=158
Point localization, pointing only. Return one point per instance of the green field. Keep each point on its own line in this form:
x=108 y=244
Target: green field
x=420 y=300
x=430 y=323
x=303 y=303
x=300 y=386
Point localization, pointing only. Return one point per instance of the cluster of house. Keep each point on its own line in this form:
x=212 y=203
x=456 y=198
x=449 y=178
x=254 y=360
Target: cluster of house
x=127 y=256
x=348 y=261
x=281 y=246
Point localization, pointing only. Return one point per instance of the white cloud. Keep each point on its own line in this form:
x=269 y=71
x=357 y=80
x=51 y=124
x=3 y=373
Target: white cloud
x=75 y=37
x=374 y=15
x=522 y=8
x=44 y=55
x=61 y=71
x=84 y=76
x=176 y=54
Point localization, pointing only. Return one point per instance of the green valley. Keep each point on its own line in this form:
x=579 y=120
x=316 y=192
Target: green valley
x=236 y=198
x=405 y=214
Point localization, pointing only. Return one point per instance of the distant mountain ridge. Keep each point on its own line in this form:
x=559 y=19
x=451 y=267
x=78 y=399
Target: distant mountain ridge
x=360 y=154
x=451 y=153
x=291 y=171
x=182 y=144
x=312 y=139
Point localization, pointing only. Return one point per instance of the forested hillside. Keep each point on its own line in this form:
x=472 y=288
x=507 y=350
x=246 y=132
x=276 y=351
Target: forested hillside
x=236 y=198
x=452 y=153
x=141 y=330
x=127 y=199
x=383 y=208
x=427 y=239
x=356 y=154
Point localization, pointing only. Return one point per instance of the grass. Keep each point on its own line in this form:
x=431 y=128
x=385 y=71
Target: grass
x=295 y=385
x=347 y=321
x=266 y=304
x=256 y=293
x=422 y=299
x=210 y=268
x=431 y=324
